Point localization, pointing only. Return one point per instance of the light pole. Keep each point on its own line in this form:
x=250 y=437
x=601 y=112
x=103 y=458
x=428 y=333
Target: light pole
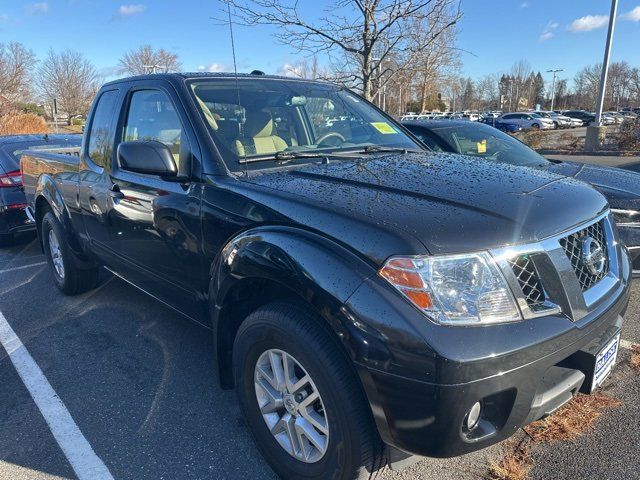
x=553 y=87
x=596 y=132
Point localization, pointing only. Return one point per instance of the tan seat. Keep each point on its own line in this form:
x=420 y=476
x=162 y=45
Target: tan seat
x=258 y=138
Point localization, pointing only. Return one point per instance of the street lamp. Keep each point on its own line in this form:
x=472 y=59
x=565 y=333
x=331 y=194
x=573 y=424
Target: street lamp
x=596 y=132
x=553 y=88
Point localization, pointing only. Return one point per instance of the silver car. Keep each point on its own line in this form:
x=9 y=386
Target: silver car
x=559 y=121
x=528 y=120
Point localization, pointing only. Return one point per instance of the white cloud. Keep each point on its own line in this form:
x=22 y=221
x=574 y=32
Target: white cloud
x=35 y=8
x=130 y=10
x=213 y=68
x=548 y=32
x=588 y=23
x=544 y=36
x=290 y=70
x=633 y=15
x=524 y=4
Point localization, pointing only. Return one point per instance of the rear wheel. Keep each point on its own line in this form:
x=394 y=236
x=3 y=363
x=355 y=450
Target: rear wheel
x=302 y=399
x=70 y=277
x=535 y=126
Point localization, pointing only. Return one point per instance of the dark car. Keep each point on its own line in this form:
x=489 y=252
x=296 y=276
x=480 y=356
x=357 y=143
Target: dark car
x=509 y=127
x=13 y=217
x=586 y=117
x=368 y=299
x=621 y=187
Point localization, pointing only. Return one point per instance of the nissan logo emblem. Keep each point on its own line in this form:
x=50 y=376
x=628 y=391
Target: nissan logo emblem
x=593 y=256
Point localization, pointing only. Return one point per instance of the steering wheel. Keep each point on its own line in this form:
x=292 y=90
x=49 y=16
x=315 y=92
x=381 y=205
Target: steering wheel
x=329 y=135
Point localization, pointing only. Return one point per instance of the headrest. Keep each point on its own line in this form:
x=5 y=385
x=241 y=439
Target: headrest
x=258 y=124
x=211 y=120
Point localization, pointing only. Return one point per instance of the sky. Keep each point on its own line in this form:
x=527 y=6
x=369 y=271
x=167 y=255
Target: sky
x=493 y=34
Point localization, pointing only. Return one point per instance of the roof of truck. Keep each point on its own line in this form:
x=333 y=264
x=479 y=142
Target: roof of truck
x=221 y=75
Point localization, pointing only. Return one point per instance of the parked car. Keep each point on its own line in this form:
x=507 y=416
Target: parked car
x=368 y=299
x=585 y=117
x=506 y=126
x=527 y=120
x=559 y=121
x=13 y=217
x=620 y=187
x=618 y=118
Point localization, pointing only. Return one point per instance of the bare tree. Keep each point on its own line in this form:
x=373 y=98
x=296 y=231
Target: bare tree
x=69 y=78
x=146 y=59
x=307 y=68
x=488 y=92
x=16 y=65
x=364 y=33
x=587 y=82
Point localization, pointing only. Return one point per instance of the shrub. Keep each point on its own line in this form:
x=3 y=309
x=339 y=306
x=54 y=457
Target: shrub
x=629 y=135
x=22 y=123
x=534 y=138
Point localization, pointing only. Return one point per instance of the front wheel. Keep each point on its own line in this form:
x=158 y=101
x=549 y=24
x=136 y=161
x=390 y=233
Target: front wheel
x=69 y=276
x=302 y=399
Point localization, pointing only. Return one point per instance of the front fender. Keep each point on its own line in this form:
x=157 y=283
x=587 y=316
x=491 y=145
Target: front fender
x=311 y=268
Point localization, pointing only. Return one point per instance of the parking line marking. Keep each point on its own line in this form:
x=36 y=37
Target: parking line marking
x=22 y=267
x=84 y=461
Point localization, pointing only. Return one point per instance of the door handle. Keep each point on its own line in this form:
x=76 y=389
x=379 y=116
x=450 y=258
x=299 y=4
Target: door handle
x=115 y=193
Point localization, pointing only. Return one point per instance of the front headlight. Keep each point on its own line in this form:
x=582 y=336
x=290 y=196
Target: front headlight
x=463 y=289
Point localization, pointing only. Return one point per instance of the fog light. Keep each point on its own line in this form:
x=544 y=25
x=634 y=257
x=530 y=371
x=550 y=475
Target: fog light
x=473 y=416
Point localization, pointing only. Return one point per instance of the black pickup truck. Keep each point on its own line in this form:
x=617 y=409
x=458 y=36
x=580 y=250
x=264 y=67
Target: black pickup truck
x=368 y=299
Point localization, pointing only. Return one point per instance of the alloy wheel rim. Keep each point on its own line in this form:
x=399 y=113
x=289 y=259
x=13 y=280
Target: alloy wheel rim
x=291 y=406
x=56 y=254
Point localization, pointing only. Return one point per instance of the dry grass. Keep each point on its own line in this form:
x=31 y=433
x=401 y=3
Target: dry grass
x=575 y=418
x=534 y=138
x=22 y=123
x=635 y=357
x=514 y=465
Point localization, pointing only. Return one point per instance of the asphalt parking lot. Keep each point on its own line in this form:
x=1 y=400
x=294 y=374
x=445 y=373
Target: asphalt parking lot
x=137 y=380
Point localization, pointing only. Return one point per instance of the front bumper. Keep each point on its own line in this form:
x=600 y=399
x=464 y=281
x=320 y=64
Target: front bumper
x=420 y=394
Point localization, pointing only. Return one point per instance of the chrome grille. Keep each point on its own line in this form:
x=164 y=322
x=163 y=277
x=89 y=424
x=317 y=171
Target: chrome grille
x=528 y=279
x=572 y=246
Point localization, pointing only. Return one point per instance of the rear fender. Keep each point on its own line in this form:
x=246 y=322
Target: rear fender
x=48 y=195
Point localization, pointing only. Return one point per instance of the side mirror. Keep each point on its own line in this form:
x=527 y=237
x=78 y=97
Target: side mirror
x=149 y=156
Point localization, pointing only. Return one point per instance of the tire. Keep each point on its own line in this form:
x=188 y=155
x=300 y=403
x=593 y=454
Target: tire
x=68 y=275
x=535 y=126
x=555 y=125
x=6 y=240
x=353 y=448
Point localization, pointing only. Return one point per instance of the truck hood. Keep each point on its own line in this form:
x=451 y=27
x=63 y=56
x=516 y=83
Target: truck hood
x=393 y=204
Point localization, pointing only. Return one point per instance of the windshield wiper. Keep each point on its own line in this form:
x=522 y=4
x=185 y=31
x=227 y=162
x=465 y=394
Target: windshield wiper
x=379 y=149
x=286 y=157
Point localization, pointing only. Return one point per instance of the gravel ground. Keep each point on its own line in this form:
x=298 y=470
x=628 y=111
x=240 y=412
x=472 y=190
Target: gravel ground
x=137 y=380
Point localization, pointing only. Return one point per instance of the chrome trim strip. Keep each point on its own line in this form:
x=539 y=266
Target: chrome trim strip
x=567 y=297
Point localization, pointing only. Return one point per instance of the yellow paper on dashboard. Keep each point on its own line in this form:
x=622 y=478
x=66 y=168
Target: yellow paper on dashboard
x=482 y=146
x=383 y=127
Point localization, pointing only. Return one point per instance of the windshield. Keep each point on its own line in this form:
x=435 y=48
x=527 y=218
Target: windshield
x=484 y=141
x=252 y=120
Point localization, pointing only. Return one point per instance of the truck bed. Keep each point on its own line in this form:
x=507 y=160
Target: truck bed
x=58 y=163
